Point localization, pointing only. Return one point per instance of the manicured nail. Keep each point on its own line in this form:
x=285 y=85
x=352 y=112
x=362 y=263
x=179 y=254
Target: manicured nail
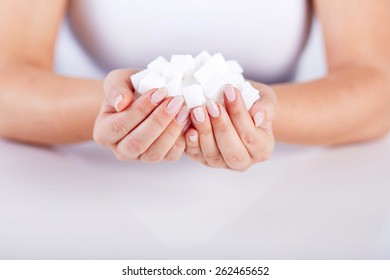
x=259 y=118
x=182 y=115
x=175 y=104
x=193 y=138
x=230 y=93
x=199 y=114
x=118 y=100
x=212 y=108
x=159 y=95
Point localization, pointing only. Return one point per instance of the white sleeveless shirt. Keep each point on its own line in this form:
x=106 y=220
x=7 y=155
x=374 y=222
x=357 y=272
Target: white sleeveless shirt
x=265 y=37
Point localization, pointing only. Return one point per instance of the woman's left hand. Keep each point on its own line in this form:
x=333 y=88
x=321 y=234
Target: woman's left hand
x=233 y=138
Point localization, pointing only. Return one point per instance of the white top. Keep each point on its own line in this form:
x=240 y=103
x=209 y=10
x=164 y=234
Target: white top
x=266 y=37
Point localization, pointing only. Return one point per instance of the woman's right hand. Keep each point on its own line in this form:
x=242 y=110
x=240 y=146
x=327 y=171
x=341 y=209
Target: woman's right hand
x=148 y=128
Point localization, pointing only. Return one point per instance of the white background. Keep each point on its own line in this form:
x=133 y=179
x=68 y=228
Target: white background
x=79 y=202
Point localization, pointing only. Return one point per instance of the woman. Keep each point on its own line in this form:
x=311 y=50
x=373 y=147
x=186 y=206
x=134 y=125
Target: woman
x=352 y=103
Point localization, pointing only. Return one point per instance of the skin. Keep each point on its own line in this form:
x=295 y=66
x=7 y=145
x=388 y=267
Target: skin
x=350 y=104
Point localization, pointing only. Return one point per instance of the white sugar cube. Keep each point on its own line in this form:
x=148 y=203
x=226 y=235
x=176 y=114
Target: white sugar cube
x=193 y=96
x=235 y=79
x=201 y=58
x=136 y=78
x=206 y=73
x=189 y=81
x=186 y=62
x=172 y=71
x=249 y=94
x=213 y=89
x=219 y=62
x=150 y=81
x=234 y=66
x=157 y=65
x=174 y=87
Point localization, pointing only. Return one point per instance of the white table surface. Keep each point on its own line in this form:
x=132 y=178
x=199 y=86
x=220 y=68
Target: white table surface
x=79 y=202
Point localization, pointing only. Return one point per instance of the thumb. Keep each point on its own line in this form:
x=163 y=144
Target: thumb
x=118 y=89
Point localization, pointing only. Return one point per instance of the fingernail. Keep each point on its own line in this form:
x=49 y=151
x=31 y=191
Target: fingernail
x=193 y=138
x=118 y=100
x=230 y=93
x=259 y=118
x=199 y=114
x=212 y=108
x=159 y=95
x=175 y=104
x=182 y=115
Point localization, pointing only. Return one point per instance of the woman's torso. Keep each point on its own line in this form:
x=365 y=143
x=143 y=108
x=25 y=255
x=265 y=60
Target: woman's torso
x=266 y=37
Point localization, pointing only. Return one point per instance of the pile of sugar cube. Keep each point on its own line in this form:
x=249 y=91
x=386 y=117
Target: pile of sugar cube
x=196 y=79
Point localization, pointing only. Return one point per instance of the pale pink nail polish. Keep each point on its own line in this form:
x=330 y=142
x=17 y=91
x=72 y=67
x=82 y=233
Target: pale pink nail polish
x=199 y=114
x=175 y=104
x=159 y=95
x=182 y=115
x=118 y=100
x=193 y=138
x=212 y=108
x=259 y=118
x=230 y=93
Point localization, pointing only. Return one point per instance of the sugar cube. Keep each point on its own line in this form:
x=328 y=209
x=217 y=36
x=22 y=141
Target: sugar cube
x=174 y=87
x=219 y=62
x=150 y=81
x=172 y=71
x=249 y=94
x=185 y=61
x=206 y=73
x=234 y=66
x=213 y=89
x=193 y=96
x=201 y=58
x=136 y=78
x=157 y=65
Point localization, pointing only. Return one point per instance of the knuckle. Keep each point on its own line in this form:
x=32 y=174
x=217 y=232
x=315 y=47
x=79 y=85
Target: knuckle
x=235 y=112
x=121 y=157
x=242 y=168
x=141 y=108
x=152 y=156
x=213 y=157
x=221 y=127
x=118 y=126
x=249 y=139
x=134 y=145
x=236 y=159
x=158 y=120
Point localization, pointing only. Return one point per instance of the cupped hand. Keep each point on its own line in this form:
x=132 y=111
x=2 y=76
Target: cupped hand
x=148 y=128
x=233 y=138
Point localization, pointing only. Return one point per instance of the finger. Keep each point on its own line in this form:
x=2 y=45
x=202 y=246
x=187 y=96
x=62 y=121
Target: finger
x=114 y=127
x=142 y=137
x=119 y=90
x=250 y=135
x=193 y=150
x=232 y=149
x=209 y=147
x=163 y=144
x=264 y=110
x=177 y=150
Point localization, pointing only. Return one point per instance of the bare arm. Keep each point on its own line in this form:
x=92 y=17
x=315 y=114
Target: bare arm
x=352 y=103
x=36 y=105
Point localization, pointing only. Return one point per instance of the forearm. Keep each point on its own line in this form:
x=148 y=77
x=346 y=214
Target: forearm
x=349 y=105
x=38 y=106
